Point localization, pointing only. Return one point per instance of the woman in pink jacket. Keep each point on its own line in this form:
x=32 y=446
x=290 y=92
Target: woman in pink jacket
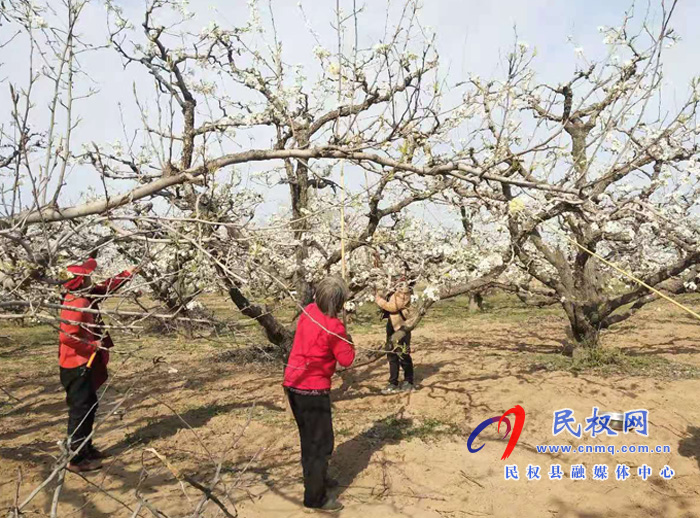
x=320 y=342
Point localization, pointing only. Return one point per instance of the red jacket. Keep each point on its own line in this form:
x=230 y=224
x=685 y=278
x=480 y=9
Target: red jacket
x=315 y=351
x=81 y=332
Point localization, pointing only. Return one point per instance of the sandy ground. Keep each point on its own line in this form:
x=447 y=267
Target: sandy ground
x=399 y=455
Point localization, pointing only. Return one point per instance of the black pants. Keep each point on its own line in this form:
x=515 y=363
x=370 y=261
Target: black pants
x=313 y=417
x=400 y=355
x=81 y=399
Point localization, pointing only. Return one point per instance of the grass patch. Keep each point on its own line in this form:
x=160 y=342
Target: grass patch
x=604 y=360
x=398 y=429
x=499 y=308
x=342 y=431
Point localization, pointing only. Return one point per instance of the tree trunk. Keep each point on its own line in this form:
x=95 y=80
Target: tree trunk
x=583 y=326
x=476 y=303
x=299 y=191
x=276 y=333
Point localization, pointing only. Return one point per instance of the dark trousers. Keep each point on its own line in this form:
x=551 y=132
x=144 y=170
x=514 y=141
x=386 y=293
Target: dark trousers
x=313 y=417
x=399 y=356
x=81 y=399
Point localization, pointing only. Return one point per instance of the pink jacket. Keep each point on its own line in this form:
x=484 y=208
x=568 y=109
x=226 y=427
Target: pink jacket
x=316 y=350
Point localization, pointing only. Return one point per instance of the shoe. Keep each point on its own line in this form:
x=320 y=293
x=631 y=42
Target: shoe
x=390 y=389
x=331 y=506
x=84 y=466
x=95 y=454
x=407 y=386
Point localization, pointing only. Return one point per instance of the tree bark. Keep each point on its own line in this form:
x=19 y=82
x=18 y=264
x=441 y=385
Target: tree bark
x=476 y=303
x=276 y=333
x=584 y=326
x=299 y=192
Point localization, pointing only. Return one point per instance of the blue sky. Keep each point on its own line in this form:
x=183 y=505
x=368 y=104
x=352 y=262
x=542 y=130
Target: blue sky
x=472 y=35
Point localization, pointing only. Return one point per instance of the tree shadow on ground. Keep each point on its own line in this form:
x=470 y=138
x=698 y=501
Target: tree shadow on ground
x=668 y=347
x=424 y=371
x=566 y=509
x=634 y=509
x=354 y=455
x=193 y=418
x=123 y=471
x=120 y=475
x=39 y=452
x=33 y=453
x=348 y=461
x=365 y=378
x=690 y=446
x=514 y=342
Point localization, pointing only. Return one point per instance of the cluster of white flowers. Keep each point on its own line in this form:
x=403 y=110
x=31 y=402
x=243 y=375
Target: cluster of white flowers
x=438 y=254
x=255 y=22
x=613 y=227
x=117 y=148
x=432 y=292
x=333 y=69
x=194 y=305
x=321 y=53
x=35 y=21
x=489 y=263
x=381 y=48
x=612 y=35
x=205 y=87
x=123 y=23
x=210 y=31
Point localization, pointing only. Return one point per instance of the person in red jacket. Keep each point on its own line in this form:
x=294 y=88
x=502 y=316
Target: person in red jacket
x=320 y=342
x=82 y=357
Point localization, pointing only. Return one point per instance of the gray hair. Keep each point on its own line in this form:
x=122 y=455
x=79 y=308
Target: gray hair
x=331 y=294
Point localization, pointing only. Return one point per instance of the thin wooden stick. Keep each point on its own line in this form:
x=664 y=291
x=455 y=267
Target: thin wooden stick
x=137 y=510
x=57 y=493
x=155 y=512
x=182 y=476
x=10 y=395
x=59 y=484
x=19 y=484
x=64 y=460
x=343 y=263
